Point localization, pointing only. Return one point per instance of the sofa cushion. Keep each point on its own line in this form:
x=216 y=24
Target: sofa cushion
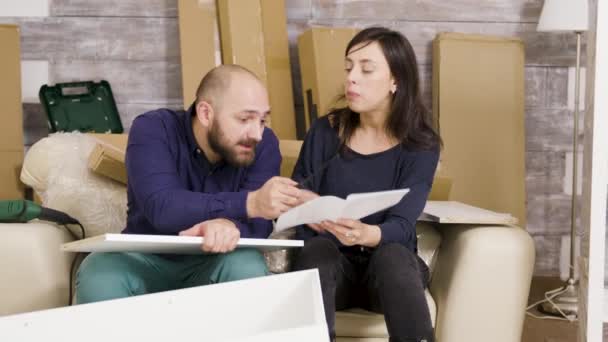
x=34 y=271
x=56 y=168
x=362 y=323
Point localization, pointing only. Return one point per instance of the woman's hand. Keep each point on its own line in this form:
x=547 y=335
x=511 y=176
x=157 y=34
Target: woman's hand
x=353 y=232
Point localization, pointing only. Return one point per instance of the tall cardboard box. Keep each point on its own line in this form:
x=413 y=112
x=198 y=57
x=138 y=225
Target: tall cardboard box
x=478 y=105
x=254 y=35
x=11 y=115
x=199 y=43
x=321 y=51
x=290 y=150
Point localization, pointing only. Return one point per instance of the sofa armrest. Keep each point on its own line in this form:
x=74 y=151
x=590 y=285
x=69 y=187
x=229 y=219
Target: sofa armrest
x=34 y=272
x=481 y=283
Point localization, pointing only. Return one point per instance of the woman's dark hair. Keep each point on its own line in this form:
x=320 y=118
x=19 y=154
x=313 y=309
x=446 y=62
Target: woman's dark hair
x=409 y=121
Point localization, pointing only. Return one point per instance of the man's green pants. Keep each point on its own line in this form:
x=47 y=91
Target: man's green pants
x=104 y=276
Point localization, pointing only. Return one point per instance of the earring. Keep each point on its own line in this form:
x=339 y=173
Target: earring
x=393 y=91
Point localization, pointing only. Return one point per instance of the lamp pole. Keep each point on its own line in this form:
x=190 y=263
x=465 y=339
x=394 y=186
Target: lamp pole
x=567 y=301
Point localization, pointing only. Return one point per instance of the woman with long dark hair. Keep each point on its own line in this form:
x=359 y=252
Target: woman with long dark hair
x=382 y=140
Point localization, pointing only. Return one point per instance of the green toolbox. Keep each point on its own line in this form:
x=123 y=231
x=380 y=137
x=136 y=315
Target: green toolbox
x=80 y=106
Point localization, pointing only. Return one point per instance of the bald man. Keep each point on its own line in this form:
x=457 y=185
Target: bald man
x=210 y=171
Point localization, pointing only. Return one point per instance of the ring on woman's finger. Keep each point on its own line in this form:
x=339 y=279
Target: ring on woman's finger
x=350 y=235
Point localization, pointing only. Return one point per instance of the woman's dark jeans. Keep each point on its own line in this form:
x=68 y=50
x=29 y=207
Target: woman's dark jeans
x=389 y=279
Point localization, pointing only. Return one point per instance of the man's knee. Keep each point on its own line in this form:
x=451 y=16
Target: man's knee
x=242 y=263
x=104 y=276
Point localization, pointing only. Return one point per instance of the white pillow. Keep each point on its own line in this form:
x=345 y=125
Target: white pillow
x=56 y=168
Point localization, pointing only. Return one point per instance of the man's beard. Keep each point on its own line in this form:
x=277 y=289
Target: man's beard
x=217 y=142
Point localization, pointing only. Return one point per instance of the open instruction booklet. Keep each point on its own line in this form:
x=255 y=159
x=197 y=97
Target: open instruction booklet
x=355 y=206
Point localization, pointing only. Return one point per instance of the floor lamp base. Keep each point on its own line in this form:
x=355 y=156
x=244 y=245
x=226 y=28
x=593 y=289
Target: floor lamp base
x=567 y=302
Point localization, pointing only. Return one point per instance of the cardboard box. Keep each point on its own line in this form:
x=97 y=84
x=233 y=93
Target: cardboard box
x=440 y=191
x=108 y=156
x=278 y=66
x=478 y=105
x=10 y=169
x=11 y=112
x=253 y=310
x=11 y=115
x=321 y=51
x=254 y=35
x=290 y=150
x=199 y=43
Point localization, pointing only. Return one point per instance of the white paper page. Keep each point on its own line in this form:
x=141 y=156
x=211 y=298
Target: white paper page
x=355 y=206
x=317 y=210
x=361 y=205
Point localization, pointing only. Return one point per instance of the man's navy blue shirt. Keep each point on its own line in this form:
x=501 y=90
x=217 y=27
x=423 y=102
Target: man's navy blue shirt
x=171 y=186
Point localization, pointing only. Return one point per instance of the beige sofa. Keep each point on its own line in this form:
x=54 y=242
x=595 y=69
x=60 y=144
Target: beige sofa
x=480 y=274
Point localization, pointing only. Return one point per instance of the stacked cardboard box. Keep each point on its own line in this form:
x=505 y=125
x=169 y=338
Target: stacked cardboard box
x=254 y=34
x=11 y=115
x=199 y=43
x=321 y=52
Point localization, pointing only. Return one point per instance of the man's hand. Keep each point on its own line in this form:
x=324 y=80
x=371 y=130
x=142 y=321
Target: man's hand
x=275 y=197
x=220 y=235
x=353 y=232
